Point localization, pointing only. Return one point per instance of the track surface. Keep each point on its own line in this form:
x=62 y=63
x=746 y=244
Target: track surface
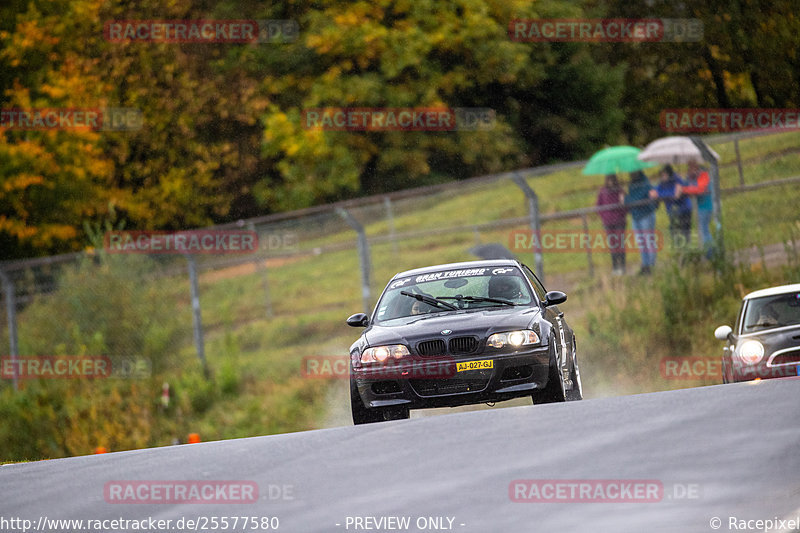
x=721 y=451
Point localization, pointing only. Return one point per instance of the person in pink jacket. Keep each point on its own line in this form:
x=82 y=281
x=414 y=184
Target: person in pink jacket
x=699 y=187
x=614 y=220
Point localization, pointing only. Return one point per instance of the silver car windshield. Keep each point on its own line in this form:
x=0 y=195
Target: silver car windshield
x=772 y=312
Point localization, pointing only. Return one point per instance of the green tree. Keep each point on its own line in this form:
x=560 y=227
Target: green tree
x=222 y=136
x=746 y=58
x=552 y=101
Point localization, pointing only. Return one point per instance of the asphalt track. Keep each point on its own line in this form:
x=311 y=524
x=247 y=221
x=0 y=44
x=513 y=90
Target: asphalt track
x=721 y=451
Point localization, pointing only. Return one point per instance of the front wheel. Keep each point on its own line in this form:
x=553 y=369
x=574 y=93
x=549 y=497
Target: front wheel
x=576 y=392
x=554 y=390
x=364 y=415
x=396 y=413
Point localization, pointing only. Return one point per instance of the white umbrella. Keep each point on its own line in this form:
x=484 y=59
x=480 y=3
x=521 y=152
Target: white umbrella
x=673 y=150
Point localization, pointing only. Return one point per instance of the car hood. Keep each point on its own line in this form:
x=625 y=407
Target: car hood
x=481 y=323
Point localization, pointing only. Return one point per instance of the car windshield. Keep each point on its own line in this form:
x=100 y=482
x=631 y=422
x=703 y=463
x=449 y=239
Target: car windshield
x=460 y=289
x=772 y=312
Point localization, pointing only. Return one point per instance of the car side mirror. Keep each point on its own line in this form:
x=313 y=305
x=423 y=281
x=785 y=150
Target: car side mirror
x=358 y=320
x=554 y=298
x=723 y=333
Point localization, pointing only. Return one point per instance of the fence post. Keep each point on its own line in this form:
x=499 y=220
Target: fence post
x=387 y=202
x=11 y=312
x=262 y=267
x=533 y=213
x=363 y=254
x=588 y=248
x=738 y=160
x=197 y=320
x=477 y=233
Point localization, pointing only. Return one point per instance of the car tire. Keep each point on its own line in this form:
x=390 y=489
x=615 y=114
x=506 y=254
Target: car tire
x=361 y=414
x=364 y=415
x=396 y=413
x=576 y=392
x=554 y=390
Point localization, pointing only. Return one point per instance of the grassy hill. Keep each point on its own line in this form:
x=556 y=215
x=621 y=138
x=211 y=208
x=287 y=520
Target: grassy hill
x=625 y=326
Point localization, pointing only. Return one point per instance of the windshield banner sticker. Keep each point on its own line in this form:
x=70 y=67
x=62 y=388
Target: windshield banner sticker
x=449 y=274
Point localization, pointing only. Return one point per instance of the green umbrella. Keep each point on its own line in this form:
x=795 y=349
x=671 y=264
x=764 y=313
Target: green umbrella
x=616 y=159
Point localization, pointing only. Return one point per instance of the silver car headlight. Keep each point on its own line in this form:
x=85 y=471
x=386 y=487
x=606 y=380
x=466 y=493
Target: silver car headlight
x=751 y=352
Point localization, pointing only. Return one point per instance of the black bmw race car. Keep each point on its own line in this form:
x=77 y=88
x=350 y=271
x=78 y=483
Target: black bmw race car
x=461 y=333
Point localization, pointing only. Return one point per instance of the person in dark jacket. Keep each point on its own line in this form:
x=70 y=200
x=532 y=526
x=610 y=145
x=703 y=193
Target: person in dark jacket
x=614 y=221
x=679 y=207
x=644 y=217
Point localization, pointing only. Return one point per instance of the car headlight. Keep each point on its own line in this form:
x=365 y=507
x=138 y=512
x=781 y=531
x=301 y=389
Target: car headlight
x=515 y=339
x=381 y=354
x=751 y=352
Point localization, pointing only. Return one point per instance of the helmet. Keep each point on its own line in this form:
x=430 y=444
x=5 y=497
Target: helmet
x=506 y=287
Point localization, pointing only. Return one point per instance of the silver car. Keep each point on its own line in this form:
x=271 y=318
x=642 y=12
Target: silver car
x=765 y=341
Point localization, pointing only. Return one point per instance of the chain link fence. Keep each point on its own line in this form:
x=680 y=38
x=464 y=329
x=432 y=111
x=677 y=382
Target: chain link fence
x=335 y=259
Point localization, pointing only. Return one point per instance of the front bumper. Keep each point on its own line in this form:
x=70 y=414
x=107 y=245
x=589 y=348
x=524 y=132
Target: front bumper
x=435 y=383
x=762 y=370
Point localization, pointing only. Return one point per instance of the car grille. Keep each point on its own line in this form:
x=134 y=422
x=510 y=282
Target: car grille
x=456 y=346
x=439 y=387
x=786 y=358
x=432 y=347
x=463 y=345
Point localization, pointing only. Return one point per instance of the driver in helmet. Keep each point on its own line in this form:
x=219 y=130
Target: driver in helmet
x=505 y=288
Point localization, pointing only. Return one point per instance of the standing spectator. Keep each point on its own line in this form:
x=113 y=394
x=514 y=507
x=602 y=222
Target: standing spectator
x=614 y=221
x=699 y=186
x=679 y=210
x=644 y=218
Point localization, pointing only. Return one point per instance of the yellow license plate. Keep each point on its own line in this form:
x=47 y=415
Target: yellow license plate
x=474 y=365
